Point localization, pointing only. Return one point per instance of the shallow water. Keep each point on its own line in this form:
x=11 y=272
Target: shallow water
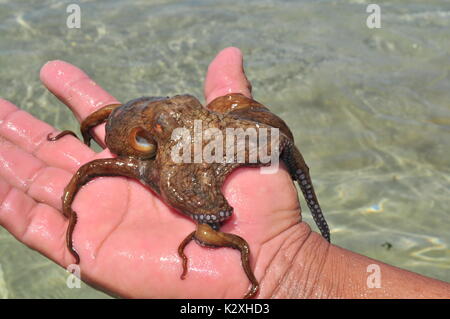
x=370 y=108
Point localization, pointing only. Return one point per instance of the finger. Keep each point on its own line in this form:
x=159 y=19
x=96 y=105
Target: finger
x=226 y=75
x=75 y=89
x=31 y=198
x=48 y=185
x=30 y=175
x=30 y=134
x=37 y=225
x=17 y=166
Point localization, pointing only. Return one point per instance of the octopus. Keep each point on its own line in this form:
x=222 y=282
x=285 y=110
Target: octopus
x=148 y=134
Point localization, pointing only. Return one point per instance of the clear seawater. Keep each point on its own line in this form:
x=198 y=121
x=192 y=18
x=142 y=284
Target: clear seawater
x=370 y=108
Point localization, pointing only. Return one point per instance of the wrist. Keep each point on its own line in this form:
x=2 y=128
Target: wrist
x=307 y=266
x=295 y=269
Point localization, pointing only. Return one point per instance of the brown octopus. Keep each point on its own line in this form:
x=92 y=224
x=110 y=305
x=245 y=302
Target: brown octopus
x=142 y=134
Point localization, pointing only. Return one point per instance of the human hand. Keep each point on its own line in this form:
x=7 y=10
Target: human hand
x=126 y=237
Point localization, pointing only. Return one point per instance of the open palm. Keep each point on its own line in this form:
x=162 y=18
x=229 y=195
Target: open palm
x=127 y=238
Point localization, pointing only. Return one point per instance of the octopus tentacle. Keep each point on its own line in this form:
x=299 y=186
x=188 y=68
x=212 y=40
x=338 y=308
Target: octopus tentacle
x=240 y=107
x=183 y=244
x=94 y=119
x=101 y=167
x=89 y=122
x=205 y=235
x=62 y=134
x=187 y=187
x=300 y=172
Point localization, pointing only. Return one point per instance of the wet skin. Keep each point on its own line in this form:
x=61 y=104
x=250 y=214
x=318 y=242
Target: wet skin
x=140 y=134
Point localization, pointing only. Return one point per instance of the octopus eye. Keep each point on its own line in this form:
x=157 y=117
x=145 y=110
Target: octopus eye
x=142 y=141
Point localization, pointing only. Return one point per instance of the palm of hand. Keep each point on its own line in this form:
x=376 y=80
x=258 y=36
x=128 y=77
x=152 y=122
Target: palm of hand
x=126 y=236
